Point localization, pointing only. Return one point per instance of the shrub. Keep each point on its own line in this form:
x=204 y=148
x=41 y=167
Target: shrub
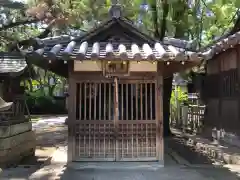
x=40 y=104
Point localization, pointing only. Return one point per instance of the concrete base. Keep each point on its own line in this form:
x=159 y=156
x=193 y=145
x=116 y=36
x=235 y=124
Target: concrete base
x=16 y=142
x=116 y=165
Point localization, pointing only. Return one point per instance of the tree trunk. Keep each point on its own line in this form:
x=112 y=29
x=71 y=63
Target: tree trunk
x=167 y=83
x=167 y=91
x=180 y=29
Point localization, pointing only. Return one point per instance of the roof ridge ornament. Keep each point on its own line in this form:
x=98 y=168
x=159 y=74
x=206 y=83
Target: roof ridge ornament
x=115 y=10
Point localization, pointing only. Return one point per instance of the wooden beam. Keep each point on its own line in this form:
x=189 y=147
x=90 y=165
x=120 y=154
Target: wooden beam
x=174 y=66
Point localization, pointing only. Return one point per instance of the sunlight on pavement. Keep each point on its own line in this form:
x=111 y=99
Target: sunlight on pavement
x=50 y=172
x=233 y=168
x=60 y=155
x=43 y=122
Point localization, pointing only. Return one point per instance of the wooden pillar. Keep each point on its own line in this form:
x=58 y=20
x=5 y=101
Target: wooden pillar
x=159 y=112
x=116 y=116
x=5 y=90
x=220 y=95
x=71 y=116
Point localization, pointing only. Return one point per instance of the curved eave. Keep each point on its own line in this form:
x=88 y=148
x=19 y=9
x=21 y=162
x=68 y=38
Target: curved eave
x=25 y=73
x=221 y=46
x=58 y=67
x=61 y=67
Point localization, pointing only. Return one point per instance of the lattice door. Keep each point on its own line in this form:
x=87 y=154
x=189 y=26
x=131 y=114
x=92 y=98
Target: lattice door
x=136 y=137
x=95 y=135
x=116 y=121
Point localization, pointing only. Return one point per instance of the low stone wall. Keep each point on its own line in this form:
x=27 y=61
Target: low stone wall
x=227 y=137
x=220 y=152
x=16 y=141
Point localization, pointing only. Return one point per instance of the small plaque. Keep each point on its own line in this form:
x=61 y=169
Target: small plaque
x=116 y=68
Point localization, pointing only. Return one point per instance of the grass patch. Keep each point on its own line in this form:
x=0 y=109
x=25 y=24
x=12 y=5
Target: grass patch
x=35 y=119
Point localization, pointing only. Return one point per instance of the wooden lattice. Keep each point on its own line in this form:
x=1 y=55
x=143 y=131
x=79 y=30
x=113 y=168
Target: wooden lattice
x=116 y=121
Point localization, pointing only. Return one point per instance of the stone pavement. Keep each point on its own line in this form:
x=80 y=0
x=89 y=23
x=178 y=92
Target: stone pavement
x=57 y=171
x=51 y=132
x=172 y=173
x=176 y=167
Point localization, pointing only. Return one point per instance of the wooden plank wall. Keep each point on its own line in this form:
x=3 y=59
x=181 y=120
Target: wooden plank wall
x=225 y=105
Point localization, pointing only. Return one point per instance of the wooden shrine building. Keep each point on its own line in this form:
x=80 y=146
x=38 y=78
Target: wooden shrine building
x=115 y=75
x=221 y=85
x=16 y=136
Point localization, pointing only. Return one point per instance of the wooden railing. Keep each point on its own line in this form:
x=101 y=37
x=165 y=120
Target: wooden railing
x=16 y=114
x=188 y=118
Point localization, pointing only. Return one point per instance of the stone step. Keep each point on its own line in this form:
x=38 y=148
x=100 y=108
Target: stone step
x=116 y=165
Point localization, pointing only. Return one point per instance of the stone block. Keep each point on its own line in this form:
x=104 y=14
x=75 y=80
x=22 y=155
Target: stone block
x=7 y=131
x=16 y=141
x=9 y=142
x=17 y=153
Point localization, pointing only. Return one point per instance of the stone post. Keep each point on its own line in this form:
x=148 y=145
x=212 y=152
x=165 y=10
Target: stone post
x=184 y=112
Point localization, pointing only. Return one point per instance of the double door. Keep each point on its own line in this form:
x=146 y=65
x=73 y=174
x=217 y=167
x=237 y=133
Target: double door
x=115 y=120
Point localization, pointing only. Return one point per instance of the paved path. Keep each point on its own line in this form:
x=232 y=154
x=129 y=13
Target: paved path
x=175 y=166
x=46 y=122
x=59 y=172
x=51 y=132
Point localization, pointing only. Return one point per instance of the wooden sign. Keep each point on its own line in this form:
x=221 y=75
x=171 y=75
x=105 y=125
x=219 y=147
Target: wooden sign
x=115 y=68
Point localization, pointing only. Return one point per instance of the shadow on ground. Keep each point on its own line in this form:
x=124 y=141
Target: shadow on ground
x=52 y=136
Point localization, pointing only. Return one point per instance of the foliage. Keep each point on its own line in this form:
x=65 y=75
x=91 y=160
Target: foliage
x=178 y=95
x=202 y=20
x=17 y=24
x=41 y=93
x=46 y=83
x=41 y=104
x=178 y=98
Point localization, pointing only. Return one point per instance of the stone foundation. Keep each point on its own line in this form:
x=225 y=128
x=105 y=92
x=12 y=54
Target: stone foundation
x=221 y=152
x=16 y=142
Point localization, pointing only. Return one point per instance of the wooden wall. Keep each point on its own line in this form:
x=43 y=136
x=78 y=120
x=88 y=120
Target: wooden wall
x=225 y=61
x=221 y=91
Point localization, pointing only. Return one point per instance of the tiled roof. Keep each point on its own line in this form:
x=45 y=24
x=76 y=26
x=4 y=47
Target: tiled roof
x=222 y=45
x=117 y=50
x=115 y=39
x=11 y=62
